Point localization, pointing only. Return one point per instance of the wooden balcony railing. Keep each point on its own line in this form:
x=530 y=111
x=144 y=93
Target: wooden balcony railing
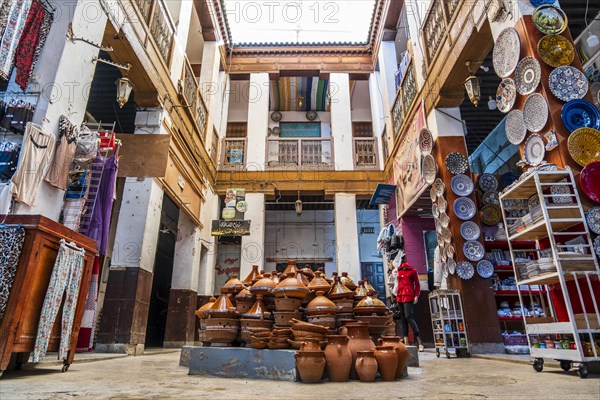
x=234 y=153
x=161 y=26
x=436 y=25
x=407 y=93
x=365 y=152
x=190 y=90
x=301 y=153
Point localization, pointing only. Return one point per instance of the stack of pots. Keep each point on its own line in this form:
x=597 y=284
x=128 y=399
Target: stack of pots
x=223 y=323
x=373 y=311
x=203 y=316
x=280 y=338
x=244 y=301
x=304 y=330
x=321 y=311
x=289 y=294
x=256 y=317
x=344 y=299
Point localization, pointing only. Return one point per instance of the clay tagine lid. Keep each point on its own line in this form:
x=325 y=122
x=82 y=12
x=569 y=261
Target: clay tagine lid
x=321 y=305
x=361 y=291
x=291 y=287
x=308 y=272
x=201 y=312
x=244 y=294
x=368 y=286
x=339 y=290
x=370 y=305
x=258 y=310
x=264 y=285
x=251 y=276
x=301 y=277
x=347 y=281
x=324 y=275
x=234 y=285
x=291 y=267
x=222 y=308
x=319 y=283
x=275 y=277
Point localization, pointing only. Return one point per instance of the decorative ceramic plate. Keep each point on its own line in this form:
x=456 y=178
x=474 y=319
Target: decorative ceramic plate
x=507 y=51
x=561 y=190
x=442 y=204
x=568 y=83
x=491 y=197
x=549 y=19
x=528 y=75
x=506 y=95
x=515 y=128
x=446 y=235
x=276 y=116
x=590 y=181
x=595 y=92
x=439 y=187
x=311 y=115
x=491 y=214
x=456 y=163
x=433 y=195
x=584 y=146
x=488 y=182
x=425 y=141
x=464 y=208
x=469 y=230
x=485 y=269
x=449 y=251
x=465 y=270
x=428 y=169
x=451 y=264
x=593 y=220
x=556 y=50
x=435 y=211
x=597 y=245
x=444 y=219
x=535 y=112
x=462 y=185
x=580 y=113
x=533 y=202
x=535 y=150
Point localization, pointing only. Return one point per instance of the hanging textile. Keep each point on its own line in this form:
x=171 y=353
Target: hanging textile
x=35 y=157
x=72 y=210
x=17 y=17
x=5 y=198
x=65 y=279
x=64 y=154
x=16 y=117
x=24 y=55
x=9 y=157
x=11 y=243
x=4 y=10
x=44 y=31
x=99 y=226
x=85 y=340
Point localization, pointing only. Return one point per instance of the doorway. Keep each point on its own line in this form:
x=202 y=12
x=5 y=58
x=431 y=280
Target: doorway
x=373 y=271
x=163 y=273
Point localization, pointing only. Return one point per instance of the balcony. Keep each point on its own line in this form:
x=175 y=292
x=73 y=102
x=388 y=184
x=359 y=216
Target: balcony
x=190 y=90
x=234 y=153
x=300 y=153
x=365 y=153
x=407 y=93
x=436 y=25
x=160 y=24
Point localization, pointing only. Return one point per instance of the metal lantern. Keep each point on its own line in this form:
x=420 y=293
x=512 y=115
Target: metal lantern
x=298 y=207
x=473 y=87
x=124 y=88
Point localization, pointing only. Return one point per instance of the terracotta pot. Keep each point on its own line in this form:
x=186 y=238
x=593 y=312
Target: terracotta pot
x=249 y=324
x=310 y=344
x=326 y=320
x=343 y=330
x=233 y=285
x=222 y=308
x=347 y=281
x=291 y=267
x=387 y=362
x=311 y=365
x=275 y=277
x=319 y=283
x=368 y=286
x=396 y=342
x=287 y=304
x=324 y=275
x=283 y=318
x=302 y=278
x=258 y=310
x=264 y=285
x=309 y=273
x=201 y=312
x=361 y=291
x=345 y=305
x=221 y=330
x=366 y=366
x=338 y=358
x=251 y=276
x=359 y=341
x=291 y=287
x=321 y=305
x=339 y=291
x=371 y=305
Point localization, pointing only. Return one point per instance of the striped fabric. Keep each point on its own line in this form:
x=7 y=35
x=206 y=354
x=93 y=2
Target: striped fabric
x=284 y=94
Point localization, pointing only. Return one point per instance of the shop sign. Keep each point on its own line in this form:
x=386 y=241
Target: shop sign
x=235 y=204
x=230 y=228
x=383 y=194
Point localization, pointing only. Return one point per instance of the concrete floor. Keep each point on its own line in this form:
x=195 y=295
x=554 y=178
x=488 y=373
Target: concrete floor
x=158 y=376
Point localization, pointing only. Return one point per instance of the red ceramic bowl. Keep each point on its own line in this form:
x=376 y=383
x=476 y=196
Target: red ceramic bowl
x=590 y=181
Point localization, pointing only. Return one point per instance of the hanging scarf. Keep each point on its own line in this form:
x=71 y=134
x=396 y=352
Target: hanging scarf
x=85 y=340
x=29 y=43
x=11 y=243
x=4 y=10
x=17 y=16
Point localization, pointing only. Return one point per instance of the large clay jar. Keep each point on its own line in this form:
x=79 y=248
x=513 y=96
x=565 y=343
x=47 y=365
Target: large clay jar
x=360 y=340
x=387 y=362
x=396 y=342
x=366 y=366
x=251 y=276
x=311 y=365
x=338 y=358
x=310 y=344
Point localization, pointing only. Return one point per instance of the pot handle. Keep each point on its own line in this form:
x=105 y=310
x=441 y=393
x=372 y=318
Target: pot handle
x=379 y=341
x=339 y=349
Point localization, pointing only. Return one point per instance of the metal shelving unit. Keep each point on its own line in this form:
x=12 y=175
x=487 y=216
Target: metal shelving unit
x=562 y=217
x=449 y=328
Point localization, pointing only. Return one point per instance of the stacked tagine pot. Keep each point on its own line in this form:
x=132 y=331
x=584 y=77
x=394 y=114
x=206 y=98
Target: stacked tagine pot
x=321 y=311
x=223 y=323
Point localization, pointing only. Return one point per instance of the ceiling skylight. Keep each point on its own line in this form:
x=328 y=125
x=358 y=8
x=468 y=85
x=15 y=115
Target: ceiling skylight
x=299 y=21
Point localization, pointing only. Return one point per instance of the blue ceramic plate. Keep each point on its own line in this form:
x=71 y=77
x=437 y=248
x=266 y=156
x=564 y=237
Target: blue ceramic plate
x=462 y=185
x=579 y=113
x=464 y=208
x=568 y=83
x=537 y=3
x=485 y=269
x=465 y=270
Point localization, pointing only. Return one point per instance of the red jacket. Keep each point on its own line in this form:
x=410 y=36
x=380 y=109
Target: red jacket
x=408 y=284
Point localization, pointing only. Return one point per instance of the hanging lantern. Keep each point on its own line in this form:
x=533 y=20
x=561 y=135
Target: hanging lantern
x=300 y=102
x=124 y=88
x=473 y=87
x=298 y=207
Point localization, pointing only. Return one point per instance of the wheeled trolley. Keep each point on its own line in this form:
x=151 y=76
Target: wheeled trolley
x=449 y=328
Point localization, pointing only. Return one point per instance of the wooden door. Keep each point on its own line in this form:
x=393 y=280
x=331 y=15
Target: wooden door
x=373 y=271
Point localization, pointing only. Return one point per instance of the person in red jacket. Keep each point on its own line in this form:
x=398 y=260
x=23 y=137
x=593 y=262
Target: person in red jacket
x=407 y=295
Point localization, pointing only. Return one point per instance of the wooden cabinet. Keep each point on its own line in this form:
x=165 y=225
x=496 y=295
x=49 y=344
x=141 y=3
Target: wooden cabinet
x=19 y=325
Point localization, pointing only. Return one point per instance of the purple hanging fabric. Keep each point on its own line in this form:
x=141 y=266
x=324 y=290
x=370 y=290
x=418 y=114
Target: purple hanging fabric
x=100 y=221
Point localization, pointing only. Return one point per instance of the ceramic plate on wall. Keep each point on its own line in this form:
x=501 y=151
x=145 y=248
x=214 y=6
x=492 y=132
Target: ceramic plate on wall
x=584 y=146
x=593 y=220
x=425 y=141
x=535 y=112
x=549 y=19
x=464 y=208
x=528 y=75
x=590 y=181
x=506 y=95
x=488 y=182
x=465 y=270
x=491 y=197
x=456 y=163
x=469 y=230
x=535 y=150
x=556 y=50
x=580 y=113
x=462 y=185
x=491 y=214
x=439 y=187
x=514 y=127
x=568 y=83
x=485 y=269
x=428 y=168
x=507 y=51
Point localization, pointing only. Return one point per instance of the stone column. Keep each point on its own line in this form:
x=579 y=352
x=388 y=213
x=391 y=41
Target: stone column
x=181 y=11
x=258 y=121
x=181 y=320
x=378 y=115
x=210 y=211
x=346 y=236
x=253 y=246
x=341 y=122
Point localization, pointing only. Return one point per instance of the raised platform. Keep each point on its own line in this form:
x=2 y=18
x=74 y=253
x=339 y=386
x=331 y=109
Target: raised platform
x=241 y=362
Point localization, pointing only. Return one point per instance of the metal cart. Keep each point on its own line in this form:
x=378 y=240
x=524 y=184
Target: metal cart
x=449 y=328
x=559 y=218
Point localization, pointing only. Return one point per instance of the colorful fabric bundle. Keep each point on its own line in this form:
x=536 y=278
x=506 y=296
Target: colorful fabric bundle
x=85 y=340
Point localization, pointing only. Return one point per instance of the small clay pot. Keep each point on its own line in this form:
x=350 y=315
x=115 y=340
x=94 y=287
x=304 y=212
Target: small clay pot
x=291 y=287
x=387 y=362
x=264 y=285
x=201 y=312
x=366 y=366
x=339 y=290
